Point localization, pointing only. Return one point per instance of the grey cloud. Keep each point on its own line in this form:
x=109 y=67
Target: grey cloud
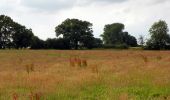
x=109 y=1
x=150 y=2
x=159 y=1
x=56 y=5
x=47 y=5
x=88 y=2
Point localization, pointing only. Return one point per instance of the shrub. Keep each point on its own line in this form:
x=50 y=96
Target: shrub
x=116 y=46
x=121 y=46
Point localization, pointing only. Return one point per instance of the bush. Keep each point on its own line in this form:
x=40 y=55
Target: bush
x=121 y=46
x=108 y=46
x=117 y=46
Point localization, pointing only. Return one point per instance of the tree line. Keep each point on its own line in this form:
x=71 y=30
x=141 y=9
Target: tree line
x=78 y=34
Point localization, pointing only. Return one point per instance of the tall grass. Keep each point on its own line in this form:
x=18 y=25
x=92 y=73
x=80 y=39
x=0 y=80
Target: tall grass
x=29 y=67
x=91 y=75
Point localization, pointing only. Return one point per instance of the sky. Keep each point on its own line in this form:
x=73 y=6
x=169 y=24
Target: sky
x=42 y=16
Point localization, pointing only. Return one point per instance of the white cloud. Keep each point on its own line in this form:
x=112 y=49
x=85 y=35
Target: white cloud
x=43 y=15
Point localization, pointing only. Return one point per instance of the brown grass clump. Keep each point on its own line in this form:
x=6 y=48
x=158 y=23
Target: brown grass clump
x=76 y=61
x=20 y=60
x=84 y=63
x=72 y=62
x=31 y=96
x=159 y=58
x=15 y=96
x=145 y=59
x=123 y=96
x=29 y=68
x=34 y=96
x=95 y=69
x=79 y=62
x=37 y=96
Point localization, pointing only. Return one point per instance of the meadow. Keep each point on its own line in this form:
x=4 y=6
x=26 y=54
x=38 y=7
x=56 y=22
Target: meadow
x=84 y=75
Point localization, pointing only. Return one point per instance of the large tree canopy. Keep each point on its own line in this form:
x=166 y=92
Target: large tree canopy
x=6 y=31
x=160 y=38
x=13 y=35
x=113 y=35
x=22 y=37
x=78 y=32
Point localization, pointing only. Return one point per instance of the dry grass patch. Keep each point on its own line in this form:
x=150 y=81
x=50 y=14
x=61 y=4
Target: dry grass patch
x=89 y=75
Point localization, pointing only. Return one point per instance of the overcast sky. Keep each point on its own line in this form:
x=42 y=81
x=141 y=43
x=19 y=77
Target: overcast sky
x=42 y=16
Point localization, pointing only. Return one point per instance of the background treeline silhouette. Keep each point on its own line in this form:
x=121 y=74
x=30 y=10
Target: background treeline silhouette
x=78 y=34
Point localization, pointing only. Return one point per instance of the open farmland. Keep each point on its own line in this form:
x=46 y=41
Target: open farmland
x=109 y=75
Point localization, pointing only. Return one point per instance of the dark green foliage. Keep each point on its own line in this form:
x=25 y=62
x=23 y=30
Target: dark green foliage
x=160 y=39
x=6 y=31
x=37 y=43
x=98 y=43
x=78 y=32
x=22 y=37
x=114 y=35
x=117 y=46
x=13 y=35
x=121 y=46
x=59 y=43
x=129 y=40
x=50 y=43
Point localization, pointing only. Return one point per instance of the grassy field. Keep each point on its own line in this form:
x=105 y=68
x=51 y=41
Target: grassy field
x=109 y=75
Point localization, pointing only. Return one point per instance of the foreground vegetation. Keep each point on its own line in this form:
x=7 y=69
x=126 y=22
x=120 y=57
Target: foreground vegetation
x=106 y=75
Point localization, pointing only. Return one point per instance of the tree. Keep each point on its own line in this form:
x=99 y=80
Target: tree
x=13 y=35
x=98 y=43
x=113 y=35
x=160 y=38
x=6 y=31
x=37 y=43
x=78 y=32
x=22 y=37
x=59 y=43
x=141 y=40
x=128 y=39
